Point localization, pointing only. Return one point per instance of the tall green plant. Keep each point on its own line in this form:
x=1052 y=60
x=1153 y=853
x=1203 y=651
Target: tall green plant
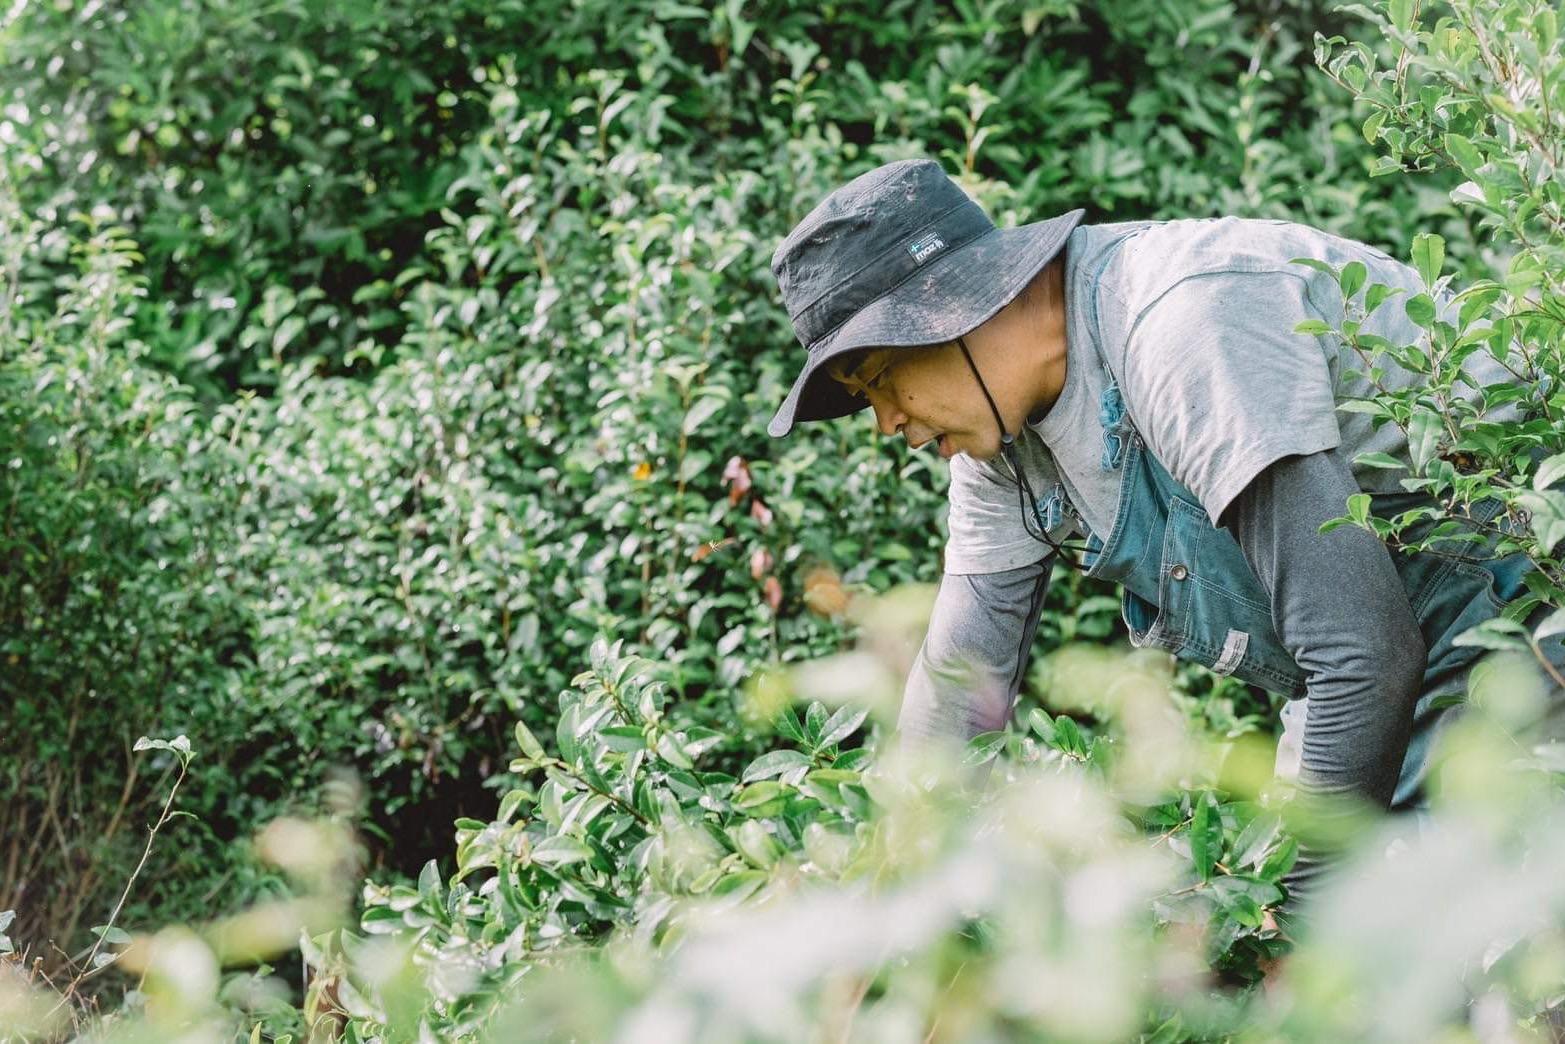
x=1480 y=91
x=114 y=610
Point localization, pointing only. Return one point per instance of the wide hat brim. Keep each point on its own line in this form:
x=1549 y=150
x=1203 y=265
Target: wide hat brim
x=944 y=300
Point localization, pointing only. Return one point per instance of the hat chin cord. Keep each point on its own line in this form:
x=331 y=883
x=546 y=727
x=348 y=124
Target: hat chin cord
x=1024 y=494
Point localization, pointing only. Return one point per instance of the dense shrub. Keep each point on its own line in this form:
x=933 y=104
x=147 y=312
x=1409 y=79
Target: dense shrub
x=1475 y=94
x=514 y=397
x=626 y=838
x=517 y=405
x=114 y=567
x=274 y=162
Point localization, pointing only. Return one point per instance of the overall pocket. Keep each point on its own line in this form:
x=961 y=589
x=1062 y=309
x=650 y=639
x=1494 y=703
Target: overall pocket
x=1215 y=602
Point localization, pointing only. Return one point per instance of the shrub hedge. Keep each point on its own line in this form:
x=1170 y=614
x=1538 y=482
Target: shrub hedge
x=369 y=360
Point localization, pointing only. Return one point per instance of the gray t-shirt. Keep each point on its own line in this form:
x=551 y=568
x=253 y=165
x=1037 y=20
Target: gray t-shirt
x=1196 y=318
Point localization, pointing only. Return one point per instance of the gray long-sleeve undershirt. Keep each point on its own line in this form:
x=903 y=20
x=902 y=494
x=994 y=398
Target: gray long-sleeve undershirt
x=969 y=669
x=1340 y=610
x=1337 y=605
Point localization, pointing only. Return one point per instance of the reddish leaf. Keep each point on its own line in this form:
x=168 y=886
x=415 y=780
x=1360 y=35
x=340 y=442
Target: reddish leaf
x=702 y=550
x=736 y=473
x=824 y=593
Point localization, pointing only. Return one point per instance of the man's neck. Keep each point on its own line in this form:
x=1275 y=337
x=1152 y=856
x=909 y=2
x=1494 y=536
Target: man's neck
x=1047 y=318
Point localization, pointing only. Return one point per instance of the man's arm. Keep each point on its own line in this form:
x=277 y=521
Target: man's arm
x=1339 y=608
x=967 y=673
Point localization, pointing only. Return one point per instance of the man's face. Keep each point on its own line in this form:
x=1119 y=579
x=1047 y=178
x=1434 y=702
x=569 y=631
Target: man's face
x=925 y=394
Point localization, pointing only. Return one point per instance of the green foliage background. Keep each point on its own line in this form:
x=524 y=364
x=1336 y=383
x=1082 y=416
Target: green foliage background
x=363 y=362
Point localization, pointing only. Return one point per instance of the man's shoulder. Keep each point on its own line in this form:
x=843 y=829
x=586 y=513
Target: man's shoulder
x=1161 y=255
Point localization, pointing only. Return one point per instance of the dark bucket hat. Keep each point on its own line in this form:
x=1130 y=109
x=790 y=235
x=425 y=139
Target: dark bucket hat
x=898 y=257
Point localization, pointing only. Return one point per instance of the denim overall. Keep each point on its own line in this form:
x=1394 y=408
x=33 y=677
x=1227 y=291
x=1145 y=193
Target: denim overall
x=1187 y=587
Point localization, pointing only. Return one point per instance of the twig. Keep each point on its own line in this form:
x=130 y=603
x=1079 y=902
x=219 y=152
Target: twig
x=1537 y=651
x=168 y=810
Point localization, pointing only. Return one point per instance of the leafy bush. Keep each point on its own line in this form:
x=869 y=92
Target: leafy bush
x=276 y=162
x=631 y=892
x=1477 y=92
x=623 y=840
x=115 y=607
x=430 y=441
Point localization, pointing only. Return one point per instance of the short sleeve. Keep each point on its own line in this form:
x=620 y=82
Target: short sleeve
x=987 y=533
x=1220 y=386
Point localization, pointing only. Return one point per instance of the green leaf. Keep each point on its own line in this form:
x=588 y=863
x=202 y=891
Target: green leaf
x=1377 y=294
x=756 y=844
x=527 y=741
x=1253 y=841
x=1547 y=508
x=560 y=850
x=700 y=412
x=669 y=750
x=179 y=745
x=1373 y=124
x=774 y=763
x=759 y=794
x=1498 y=633
x=1428 y=257
x=1423 y=438
x=1352 y=277
x=1281 y=860
x=1420 y=309
x=1206 y=836
x=429 y=883
x=1464 y=153
x=1310 y=262
x=623 y=738
x=983 y=747
x=814 y=722
x=739 y=885
x=381 y=920
x=1380 y=460
x=1475 y=302
x=1369 y=406
x=112 y=935
x=834 y=777
x=1550 y=471
x=841 y=725
x=1553 y=624
x=1313 y=326
x=1068 y=738
x=1245 y=910
x=1039 y=721
x=789 y=725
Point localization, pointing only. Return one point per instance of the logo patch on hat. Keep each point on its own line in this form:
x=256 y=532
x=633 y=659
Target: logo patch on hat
x=926 y=246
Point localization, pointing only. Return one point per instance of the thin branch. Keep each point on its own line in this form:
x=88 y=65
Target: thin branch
x=168 y=812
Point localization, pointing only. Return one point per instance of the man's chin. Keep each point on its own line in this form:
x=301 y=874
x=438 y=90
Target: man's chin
x=986 y=452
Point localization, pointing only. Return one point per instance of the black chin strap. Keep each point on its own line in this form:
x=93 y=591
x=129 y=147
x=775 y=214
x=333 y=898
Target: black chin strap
x=1025 y=498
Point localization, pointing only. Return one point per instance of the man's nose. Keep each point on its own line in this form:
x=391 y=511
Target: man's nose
x=888 y=418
